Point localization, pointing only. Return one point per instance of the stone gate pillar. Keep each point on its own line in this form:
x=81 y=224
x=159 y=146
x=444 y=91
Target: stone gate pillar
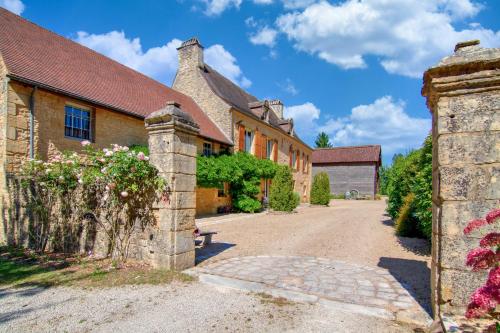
x=463 y=94
x=172 y=147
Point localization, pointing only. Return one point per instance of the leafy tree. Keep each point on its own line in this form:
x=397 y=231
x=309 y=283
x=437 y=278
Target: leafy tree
x=282 y=197
x=242 y=171
x=320 y=191
x=383 y=179
x=422 y=188
x=323 y=141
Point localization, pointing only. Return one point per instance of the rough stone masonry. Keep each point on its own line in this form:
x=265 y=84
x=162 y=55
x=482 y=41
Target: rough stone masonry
x=463 y=94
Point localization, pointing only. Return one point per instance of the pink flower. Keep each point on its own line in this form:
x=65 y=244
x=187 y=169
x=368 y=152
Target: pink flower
x=141 y=156
x=490 y=240
x=481 y=259
x=85 y=143
x=474 y=224
x=112 y=186
x=124 y=194
x=482 y=301
x=492 y=216
x=109 y=153
x=474 y=311
x=494 y=278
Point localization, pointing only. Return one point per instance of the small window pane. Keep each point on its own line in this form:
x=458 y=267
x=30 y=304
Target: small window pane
x=77 y=123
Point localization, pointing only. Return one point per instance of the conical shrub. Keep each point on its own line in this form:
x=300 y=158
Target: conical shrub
x=282 y=197
x=320 y=191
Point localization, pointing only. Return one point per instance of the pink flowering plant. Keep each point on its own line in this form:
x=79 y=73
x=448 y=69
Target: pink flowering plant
x=485 y=300
x=112 y=189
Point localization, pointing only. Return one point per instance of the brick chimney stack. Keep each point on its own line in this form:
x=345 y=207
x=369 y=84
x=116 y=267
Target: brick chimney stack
x=277 y=106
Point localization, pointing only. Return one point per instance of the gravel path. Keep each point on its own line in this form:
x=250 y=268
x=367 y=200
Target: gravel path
x=192 y=307
x=358 y=232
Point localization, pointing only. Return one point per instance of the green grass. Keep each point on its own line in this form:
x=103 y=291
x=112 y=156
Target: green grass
x=22 y=268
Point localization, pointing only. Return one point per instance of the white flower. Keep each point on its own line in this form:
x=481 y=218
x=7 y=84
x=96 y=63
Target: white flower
x=124 y=194
x=61 y=178
x=124 y=148
x=103 y=170
x=85 y=143
x=109 y=153
x=141 y=156
x=102 y=160
x=146 y=158
x=80 y=181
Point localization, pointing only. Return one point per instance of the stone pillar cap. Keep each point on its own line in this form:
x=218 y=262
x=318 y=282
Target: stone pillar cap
x=467 y=43
x=171 y=111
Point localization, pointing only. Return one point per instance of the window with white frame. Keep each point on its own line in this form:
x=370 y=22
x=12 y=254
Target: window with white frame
x=269 y=149
x=248 y=141
x=207 y=149
x=77 y=123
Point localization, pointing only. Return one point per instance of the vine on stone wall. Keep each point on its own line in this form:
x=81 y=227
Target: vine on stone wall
x=242 y=171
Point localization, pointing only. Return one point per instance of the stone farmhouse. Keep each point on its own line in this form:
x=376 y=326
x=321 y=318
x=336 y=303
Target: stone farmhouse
x=56 y=93
x=350 y=168
x=257 y=127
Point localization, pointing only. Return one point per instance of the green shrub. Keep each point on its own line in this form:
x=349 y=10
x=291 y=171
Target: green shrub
x=406 y=225
x=296 y=197
x=282 y=197
x=422 y=187
x=337 y=196
x=243 y=172
x=320 y=191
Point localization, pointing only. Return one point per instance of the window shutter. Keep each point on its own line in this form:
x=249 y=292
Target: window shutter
x=298 y=161
x=291 y=156
x=258 y=147
x=275 y=151
x=241 y=138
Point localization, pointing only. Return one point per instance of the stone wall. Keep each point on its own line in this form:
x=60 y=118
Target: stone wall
x=347 y=177
x=302 y=176
x=463 y=94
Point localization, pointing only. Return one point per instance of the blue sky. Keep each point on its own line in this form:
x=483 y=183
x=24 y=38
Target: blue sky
x=350 y=68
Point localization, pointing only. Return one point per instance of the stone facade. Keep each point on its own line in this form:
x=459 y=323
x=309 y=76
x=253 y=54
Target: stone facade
x=285 y=144
x=190 y=81
x=463 y=93
x=345 y=177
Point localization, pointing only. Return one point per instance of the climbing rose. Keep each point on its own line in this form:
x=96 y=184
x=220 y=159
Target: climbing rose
x=124 y=194
x=480 y=259
x=141 y=156
x=85 y=143
x=492 y=216
x=473 y=225
x=490 y=240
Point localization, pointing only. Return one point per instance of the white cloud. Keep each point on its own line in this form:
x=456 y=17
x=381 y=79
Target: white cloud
x=160 y=62
x=265 y=36
x=296 y=4
x=383 y=122
x=288 y=87
x=217 y=7
x=15 y=6
x=263 y=2
x=225 y=63
x=304 y=118
x=405 y=36
x=157 y=62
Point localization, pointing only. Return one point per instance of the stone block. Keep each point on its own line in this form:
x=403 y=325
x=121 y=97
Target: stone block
x=456 y=286
x=455 y=215
x=174 y=163
x=177 y=219
x=473 y=148
x=469 y=182
x=455 y=250
x=11 y=133
x=180 y=182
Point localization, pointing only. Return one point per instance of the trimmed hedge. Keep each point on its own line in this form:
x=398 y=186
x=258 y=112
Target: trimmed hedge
x=282 y=198
x=320 y=191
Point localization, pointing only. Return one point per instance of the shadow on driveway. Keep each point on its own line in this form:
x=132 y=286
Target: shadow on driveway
x=413 y=275
x=206 y=252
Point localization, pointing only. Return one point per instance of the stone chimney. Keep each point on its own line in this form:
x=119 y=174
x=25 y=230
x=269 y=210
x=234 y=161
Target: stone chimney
x=190 y=54
x=277 y=106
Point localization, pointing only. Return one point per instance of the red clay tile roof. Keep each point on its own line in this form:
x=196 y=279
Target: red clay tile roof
x=355 y=154
x=35 y=55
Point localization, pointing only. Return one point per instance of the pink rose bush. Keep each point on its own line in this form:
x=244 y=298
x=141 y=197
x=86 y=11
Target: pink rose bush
x=117 y=186
x=485 y=299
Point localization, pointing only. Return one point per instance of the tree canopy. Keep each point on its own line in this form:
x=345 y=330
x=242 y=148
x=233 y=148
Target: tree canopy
x=323 y=141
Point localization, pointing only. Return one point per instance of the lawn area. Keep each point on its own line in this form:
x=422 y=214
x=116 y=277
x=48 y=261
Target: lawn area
x=19 y=267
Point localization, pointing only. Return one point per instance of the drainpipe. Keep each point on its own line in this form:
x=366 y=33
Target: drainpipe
x=32 y=122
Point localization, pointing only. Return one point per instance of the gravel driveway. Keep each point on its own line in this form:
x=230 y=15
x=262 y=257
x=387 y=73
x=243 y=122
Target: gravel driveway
x=353 y=231
x=358 y=232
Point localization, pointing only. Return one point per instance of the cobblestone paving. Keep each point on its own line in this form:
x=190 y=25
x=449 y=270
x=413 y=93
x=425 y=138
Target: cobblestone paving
x=326 y=278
